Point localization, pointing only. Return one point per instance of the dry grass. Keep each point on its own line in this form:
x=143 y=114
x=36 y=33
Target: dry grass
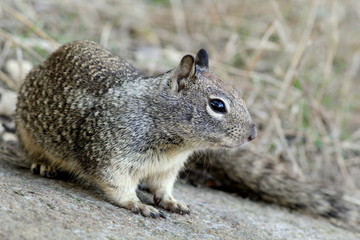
x=297 y=63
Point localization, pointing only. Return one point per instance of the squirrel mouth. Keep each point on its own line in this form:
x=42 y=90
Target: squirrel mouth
x=232 y=146
x=227 y=146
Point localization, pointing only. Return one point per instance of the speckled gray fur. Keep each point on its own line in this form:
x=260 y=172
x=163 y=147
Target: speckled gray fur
x=88 y=112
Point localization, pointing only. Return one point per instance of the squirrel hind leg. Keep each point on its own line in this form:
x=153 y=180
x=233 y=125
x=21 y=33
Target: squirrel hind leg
x=40 y=163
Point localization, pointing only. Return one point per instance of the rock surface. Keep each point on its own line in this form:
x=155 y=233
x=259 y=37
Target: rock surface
x=37 y=208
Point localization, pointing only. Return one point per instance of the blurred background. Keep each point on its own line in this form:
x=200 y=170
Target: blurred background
x=295 y=62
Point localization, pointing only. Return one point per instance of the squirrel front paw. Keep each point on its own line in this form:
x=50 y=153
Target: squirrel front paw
x=145 y=210
x=172 y=205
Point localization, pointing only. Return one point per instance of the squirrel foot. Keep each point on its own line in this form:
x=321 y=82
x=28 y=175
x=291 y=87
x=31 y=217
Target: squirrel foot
x=145 y=210
x=43 y=169
x=172 y=205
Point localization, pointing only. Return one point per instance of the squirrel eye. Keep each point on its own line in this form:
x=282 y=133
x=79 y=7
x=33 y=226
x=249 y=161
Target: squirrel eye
x=217 y=105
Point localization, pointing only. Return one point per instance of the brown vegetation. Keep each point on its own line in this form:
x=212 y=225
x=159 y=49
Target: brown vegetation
x=296 y=63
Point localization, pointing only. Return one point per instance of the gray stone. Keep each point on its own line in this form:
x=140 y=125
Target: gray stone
x=32 y=207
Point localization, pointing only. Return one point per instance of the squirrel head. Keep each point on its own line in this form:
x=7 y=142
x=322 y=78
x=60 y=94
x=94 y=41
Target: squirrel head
x=211 y=112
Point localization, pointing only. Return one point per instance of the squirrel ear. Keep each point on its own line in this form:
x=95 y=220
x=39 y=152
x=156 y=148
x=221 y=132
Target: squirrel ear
x=186 y=67
x=184 y=71
x=202 y=59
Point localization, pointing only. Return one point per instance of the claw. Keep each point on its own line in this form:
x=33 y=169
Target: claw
x=35 y=168
x=162 y=215
x=153 y=215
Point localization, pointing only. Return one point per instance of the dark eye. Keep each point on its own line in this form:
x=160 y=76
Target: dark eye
x=217 y=105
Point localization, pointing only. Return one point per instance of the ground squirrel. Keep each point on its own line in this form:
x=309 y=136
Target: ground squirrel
x=92 y=114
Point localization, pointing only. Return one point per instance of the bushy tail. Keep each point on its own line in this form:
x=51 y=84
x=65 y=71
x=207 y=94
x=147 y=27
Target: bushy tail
x=252 y=174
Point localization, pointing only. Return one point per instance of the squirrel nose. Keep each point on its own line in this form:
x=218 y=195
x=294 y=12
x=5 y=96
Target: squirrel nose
x=253 y=132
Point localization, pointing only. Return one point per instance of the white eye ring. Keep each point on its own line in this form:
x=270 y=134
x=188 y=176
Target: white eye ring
x=217 y=107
